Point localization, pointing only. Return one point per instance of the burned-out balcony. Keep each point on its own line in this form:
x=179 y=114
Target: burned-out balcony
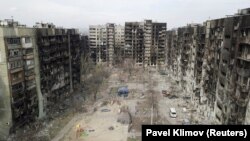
x=18 y=102
x=30 y=77
x=225 y=55
x=17 y=91
x=223 y=68
x=242 y=87
x=30 y=66
x=14 y=70
x=30 y=84
x=243 y=72
x=242 y=102
x=17 y=80
x=45 y=42
x=28 y=56
x=243 y=52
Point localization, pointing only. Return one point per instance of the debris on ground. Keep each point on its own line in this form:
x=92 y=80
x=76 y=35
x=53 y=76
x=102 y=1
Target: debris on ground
x=124 y=118
x=173 y=97
x=105 y=110
x=111 y=128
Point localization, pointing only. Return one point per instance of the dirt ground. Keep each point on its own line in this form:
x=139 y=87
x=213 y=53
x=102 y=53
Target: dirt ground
x=145 y=103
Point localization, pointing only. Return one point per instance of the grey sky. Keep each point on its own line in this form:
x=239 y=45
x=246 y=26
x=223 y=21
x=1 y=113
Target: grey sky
x=82 y=13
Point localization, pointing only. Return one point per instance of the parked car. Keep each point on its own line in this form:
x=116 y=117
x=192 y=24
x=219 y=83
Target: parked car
x=186 y=122
x=173 y=113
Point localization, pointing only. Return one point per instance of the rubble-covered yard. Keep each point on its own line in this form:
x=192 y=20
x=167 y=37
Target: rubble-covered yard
x=114 y=118
x=145 y=104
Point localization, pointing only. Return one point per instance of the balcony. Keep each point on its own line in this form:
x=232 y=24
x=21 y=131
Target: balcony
x=242 y=87
x=31 y=77
x=13 y=58
x=27 y=67
x=223 y=68
x=45 y=43
x=244 y=55
x=16 y=91
x=245 y=40
x=243 y=72
x=18 y=102
x=14 y=46
x=225 y=54
x=28 y=56
x=15 y=81
x=16 y=70
x=26 y=42
x=241 y=102
x=31 y=86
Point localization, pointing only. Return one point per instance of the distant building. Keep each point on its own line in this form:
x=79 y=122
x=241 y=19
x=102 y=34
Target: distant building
x=119 y=39
x=145 y=42
x=104 y=41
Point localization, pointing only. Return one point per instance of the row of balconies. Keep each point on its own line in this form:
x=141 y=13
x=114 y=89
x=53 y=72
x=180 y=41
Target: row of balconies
x=54 y=49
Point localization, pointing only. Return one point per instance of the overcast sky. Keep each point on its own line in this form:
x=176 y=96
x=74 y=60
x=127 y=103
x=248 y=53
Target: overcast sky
x=82 y=13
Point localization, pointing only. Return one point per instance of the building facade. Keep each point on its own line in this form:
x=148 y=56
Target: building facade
x=18 y=96
x=145 y=42
x=40 y=66
x=211 y=63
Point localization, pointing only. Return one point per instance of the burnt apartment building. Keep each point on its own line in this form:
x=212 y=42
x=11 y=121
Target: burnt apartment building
x=185 y=50
x=145 y=43
x=102 y=43
x=18 y=89
x=134 y=48
x=59 y=62
x=39 y=67
x=211 y=62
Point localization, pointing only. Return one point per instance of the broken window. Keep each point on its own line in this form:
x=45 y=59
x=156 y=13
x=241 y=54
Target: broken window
x=16 y=76
x=27 y=40
x=244 y=33
x=15 y=64
x=13 y=41
x=14 y=53
x=227 y=36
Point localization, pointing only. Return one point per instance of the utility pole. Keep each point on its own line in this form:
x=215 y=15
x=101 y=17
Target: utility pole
x=152 y=110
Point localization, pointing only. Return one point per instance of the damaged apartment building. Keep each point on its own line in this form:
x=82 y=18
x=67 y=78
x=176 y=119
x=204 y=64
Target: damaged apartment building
x=59 y=62
x=145 y=43
x=212 y=63
x=39 y=67
x=102 y=43
x=18 y=93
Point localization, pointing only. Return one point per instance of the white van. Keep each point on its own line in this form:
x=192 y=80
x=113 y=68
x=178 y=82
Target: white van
x=173 y=113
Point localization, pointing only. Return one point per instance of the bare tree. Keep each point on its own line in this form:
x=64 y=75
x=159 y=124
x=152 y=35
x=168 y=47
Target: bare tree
x=94 y=80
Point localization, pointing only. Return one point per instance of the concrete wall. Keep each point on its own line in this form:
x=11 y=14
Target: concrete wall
x=5 y=108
